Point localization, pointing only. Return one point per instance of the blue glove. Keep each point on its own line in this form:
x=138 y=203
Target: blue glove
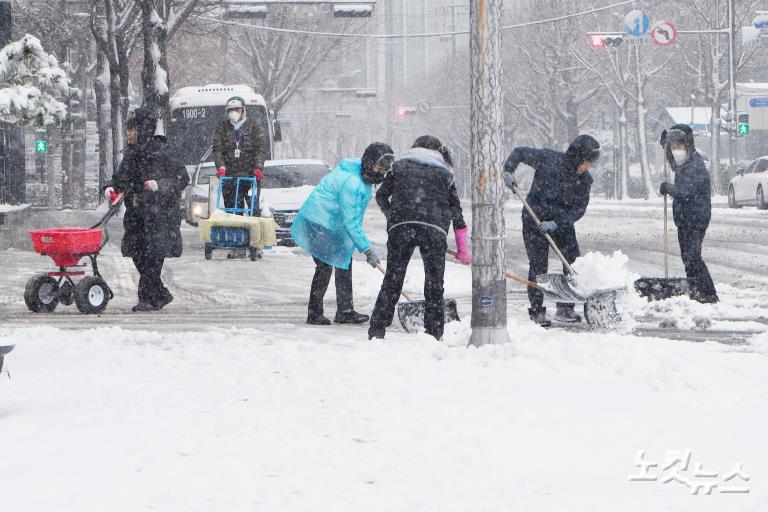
x=667 y=188
x=509 y=180
x=548 y=226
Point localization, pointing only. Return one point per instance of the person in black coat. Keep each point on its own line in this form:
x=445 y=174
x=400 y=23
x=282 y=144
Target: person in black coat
x=152 y=182
x=559 y=196
x=691 y=207
x=420 y=201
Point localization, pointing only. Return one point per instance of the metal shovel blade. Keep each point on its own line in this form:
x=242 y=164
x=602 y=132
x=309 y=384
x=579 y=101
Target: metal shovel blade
x=560 y=287
x=600 y=310
x=411 y=314
x=661 y=288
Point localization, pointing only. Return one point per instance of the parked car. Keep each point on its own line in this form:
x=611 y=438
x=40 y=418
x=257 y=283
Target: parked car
x=750 y=185
x=196 y=196
x=286 y=185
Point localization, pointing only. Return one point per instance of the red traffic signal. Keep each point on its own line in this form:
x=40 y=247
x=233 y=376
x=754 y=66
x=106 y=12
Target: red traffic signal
x=405 y=111
x=596 y=41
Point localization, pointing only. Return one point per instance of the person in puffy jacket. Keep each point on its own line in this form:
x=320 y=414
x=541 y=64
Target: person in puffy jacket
x=691 y=207
x=329 y=226
x=559 y=196
x=420 y=201
x=152 y=181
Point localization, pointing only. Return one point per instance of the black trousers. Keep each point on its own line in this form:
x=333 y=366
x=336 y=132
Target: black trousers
x=691 y=239
x=151 y=288
x=320 y=283
x=537 y=249
x=229 y=190
x=402 y=241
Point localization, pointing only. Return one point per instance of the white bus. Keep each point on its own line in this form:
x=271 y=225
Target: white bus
x=195 y=112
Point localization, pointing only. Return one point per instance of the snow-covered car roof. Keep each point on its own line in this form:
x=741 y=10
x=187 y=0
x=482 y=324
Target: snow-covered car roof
x=295 y=161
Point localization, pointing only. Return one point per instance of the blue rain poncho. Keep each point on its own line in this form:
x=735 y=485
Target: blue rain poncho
x=329 y=224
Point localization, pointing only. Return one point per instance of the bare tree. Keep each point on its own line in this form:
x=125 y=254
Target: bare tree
x=160 y=20
x=279 y=63
x=115 y=25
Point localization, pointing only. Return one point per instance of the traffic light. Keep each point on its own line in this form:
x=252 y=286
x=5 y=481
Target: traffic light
x=605 y=40
x=596 y=41
x=41 y=141
x=742 y=128
x=403 y=112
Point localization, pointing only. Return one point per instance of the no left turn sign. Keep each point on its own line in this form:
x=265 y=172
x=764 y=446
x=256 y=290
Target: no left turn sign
x=664 y=33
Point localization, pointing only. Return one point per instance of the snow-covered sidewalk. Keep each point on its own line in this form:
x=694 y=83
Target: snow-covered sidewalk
x=317 y=419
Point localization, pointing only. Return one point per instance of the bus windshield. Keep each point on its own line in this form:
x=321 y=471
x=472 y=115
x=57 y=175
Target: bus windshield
x=192 y=130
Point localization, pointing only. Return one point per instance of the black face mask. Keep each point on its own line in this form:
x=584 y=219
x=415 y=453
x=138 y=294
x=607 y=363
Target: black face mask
x=373 y=177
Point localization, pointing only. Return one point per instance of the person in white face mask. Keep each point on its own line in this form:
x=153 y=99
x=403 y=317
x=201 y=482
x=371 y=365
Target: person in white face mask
x=239 y=152
x=691 y=207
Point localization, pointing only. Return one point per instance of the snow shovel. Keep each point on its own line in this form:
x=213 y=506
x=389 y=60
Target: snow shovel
x=599 y=307
x=658 y=288
x=411 y=312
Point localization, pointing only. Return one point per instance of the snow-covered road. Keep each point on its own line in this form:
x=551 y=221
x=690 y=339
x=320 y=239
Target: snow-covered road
x=226 y=400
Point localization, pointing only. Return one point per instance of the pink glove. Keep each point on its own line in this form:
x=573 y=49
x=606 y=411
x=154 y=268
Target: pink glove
x=258 y=173
x=111 y=194
x=462 y=244
x=221 y=171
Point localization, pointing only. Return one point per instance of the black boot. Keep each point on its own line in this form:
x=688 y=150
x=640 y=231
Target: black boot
x=165 y=299
x=318 y=320
x=567 y=313
x=350 y=317
x=539 y=316
x=143 y=307
x=376 y=333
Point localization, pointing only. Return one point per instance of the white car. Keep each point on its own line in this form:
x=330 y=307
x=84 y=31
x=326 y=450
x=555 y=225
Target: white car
x=286 y=185
x=750 y=186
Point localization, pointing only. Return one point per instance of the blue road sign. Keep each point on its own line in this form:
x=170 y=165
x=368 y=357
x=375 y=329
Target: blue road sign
x=637 y=23
x=758 y=102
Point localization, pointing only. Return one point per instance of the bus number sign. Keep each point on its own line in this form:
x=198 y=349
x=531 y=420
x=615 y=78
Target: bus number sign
x=194 y=113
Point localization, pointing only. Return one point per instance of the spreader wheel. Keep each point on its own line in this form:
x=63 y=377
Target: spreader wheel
x=91 y=295
x=42 y=294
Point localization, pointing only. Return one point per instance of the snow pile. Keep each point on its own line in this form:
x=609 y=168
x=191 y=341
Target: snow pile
x=317 y=419
x=598 y=271
x=35 y=82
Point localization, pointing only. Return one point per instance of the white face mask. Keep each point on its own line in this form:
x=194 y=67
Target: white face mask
x=680 y=156
x=234 y=116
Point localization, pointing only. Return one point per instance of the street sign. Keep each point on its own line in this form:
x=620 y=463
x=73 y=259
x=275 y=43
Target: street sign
x=41 y=146
x=758 y=102
x=424 y=107
x=664 y=33
x=636 y=23
x=751 y=36
x=760 y=21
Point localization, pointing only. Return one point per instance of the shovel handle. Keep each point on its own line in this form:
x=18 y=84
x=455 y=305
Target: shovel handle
x=526 y=282
x=666 y=232
x=383 y=272
x=546 y=235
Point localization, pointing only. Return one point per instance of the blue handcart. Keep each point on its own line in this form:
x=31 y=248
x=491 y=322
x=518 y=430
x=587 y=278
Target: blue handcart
x=229 y=237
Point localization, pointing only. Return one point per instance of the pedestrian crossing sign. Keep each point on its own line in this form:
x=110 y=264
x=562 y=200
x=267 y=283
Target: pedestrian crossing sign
x=41 y=146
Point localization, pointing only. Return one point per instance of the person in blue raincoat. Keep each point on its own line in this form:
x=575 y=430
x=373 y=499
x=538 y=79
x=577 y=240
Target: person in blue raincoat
x=329 y=226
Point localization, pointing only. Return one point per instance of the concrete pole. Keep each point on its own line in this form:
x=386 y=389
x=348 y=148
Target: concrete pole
x=489 y=287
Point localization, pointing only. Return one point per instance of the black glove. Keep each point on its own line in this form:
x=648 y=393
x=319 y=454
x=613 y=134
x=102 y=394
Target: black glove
x=509 y=180
x=667 y=189
x=663 y=140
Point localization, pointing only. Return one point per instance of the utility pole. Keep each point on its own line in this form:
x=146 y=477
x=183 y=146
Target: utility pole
x=489 y=287
x=732 y=79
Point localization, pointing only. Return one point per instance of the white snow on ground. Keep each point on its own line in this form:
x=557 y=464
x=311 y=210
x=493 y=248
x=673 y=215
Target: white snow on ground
x=10 y=208
x=597 y=271
x=317 y=419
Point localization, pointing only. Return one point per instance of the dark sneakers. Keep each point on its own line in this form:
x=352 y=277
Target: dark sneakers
x=539 y=316
x=318 y=320
x=567 y=313
x=350 y=317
